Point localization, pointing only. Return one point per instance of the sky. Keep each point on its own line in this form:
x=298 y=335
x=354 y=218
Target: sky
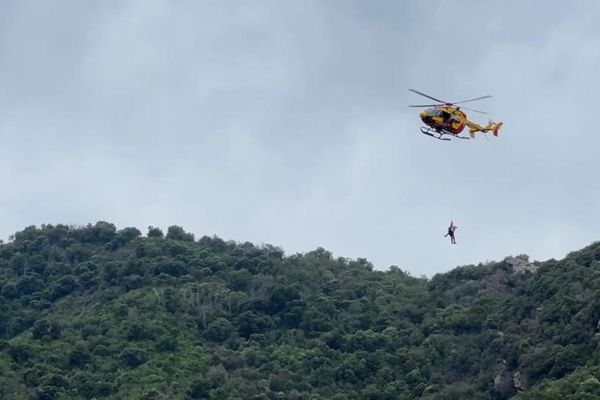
x=287 y=123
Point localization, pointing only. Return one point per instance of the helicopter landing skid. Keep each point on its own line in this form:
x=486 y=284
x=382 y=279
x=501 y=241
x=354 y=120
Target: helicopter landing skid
x=439 y=134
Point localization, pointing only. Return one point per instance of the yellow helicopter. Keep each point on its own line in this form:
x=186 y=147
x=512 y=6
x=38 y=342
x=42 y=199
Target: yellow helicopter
x=447 y=118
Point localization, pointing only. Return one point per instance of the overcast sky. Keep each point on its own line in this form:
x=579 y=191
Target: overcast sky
x=286 y=122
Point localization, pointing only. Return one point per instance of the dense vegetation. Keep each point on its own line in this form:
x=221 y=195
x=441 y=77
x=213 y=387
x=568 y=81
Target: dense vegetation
x=96 y=312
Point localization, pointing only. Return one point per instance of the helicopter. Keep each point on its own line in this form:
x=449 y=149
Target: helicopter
x=447 y=119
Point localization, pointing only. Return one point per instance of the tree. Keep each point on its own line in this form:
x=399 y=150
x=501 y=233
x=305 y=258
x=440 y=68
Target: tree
x=20 y=352
x=199 y=389
x=10 y=291
x=166 y=343
x=44 y=328
x=46 y=393
x=63 y=287
x=101 y=232
x=29 y=284
x=154 y=232
x=250 y=322
x=175 y=232
x=18 y=263
x=171 y=267
x=218 y=330
x=124 y=236
x=80 y=355
x=134 y=356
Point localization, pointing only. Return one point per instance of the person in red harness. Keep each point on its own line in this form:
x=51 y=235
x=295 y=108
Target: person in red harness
x=450 y=233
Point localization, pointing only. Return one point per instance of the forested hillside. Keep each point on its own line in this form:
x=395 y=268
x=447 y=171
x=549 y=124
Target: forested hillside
x=96 y=312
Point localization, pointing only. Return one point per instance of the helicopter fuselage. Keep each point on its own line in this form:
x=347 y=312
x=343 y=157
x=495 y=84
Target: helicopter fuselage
x=444 y=118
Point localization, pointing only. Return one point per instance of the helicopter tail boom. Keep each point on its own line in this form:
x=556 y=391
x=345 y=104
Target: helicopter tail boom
x=493 y=127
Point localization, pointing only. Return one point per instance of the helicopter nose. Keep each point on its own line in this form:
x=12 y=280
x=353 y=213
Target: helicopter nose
x=423 y=114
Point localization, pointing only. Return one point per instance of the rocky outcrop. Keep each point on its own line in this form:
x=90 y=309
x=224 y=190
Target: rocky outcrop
x=504 y=384
x=520 y=381
x=508 y=383
x=521 y=264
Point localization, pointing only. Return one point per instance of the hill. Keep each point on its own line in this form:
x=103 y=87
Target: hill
x=96 y=312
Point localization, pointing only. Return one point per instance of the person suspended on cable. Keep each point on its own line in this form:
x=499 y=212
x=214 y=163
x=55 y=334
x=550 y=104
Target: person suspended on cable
x=450 y=233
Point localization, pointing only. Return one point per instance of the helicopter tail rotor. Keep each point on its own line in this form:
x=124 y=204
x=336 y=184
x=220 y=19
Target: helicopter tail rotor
x=496 y=128
x=493 y=127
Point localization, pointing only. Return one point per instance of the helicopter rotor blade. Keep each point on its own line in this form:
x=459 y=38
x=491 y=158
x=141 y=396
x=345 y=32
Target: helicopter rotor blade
x=426 y=95
x=474 y=110
x=475 y=99
x=426 y=105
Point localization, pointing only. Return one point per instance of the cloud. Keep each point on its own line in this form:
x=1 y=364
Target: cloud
x=287 y=123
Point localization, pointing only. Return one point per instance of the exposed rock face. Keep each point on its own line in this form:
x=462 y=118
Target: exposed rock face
x=504 y=384
x=520 y=382
x=521 y=264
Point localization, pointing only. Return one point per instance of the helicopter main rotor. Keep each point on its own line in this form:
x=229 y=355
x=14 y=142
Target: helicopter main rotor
x=447 y=103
